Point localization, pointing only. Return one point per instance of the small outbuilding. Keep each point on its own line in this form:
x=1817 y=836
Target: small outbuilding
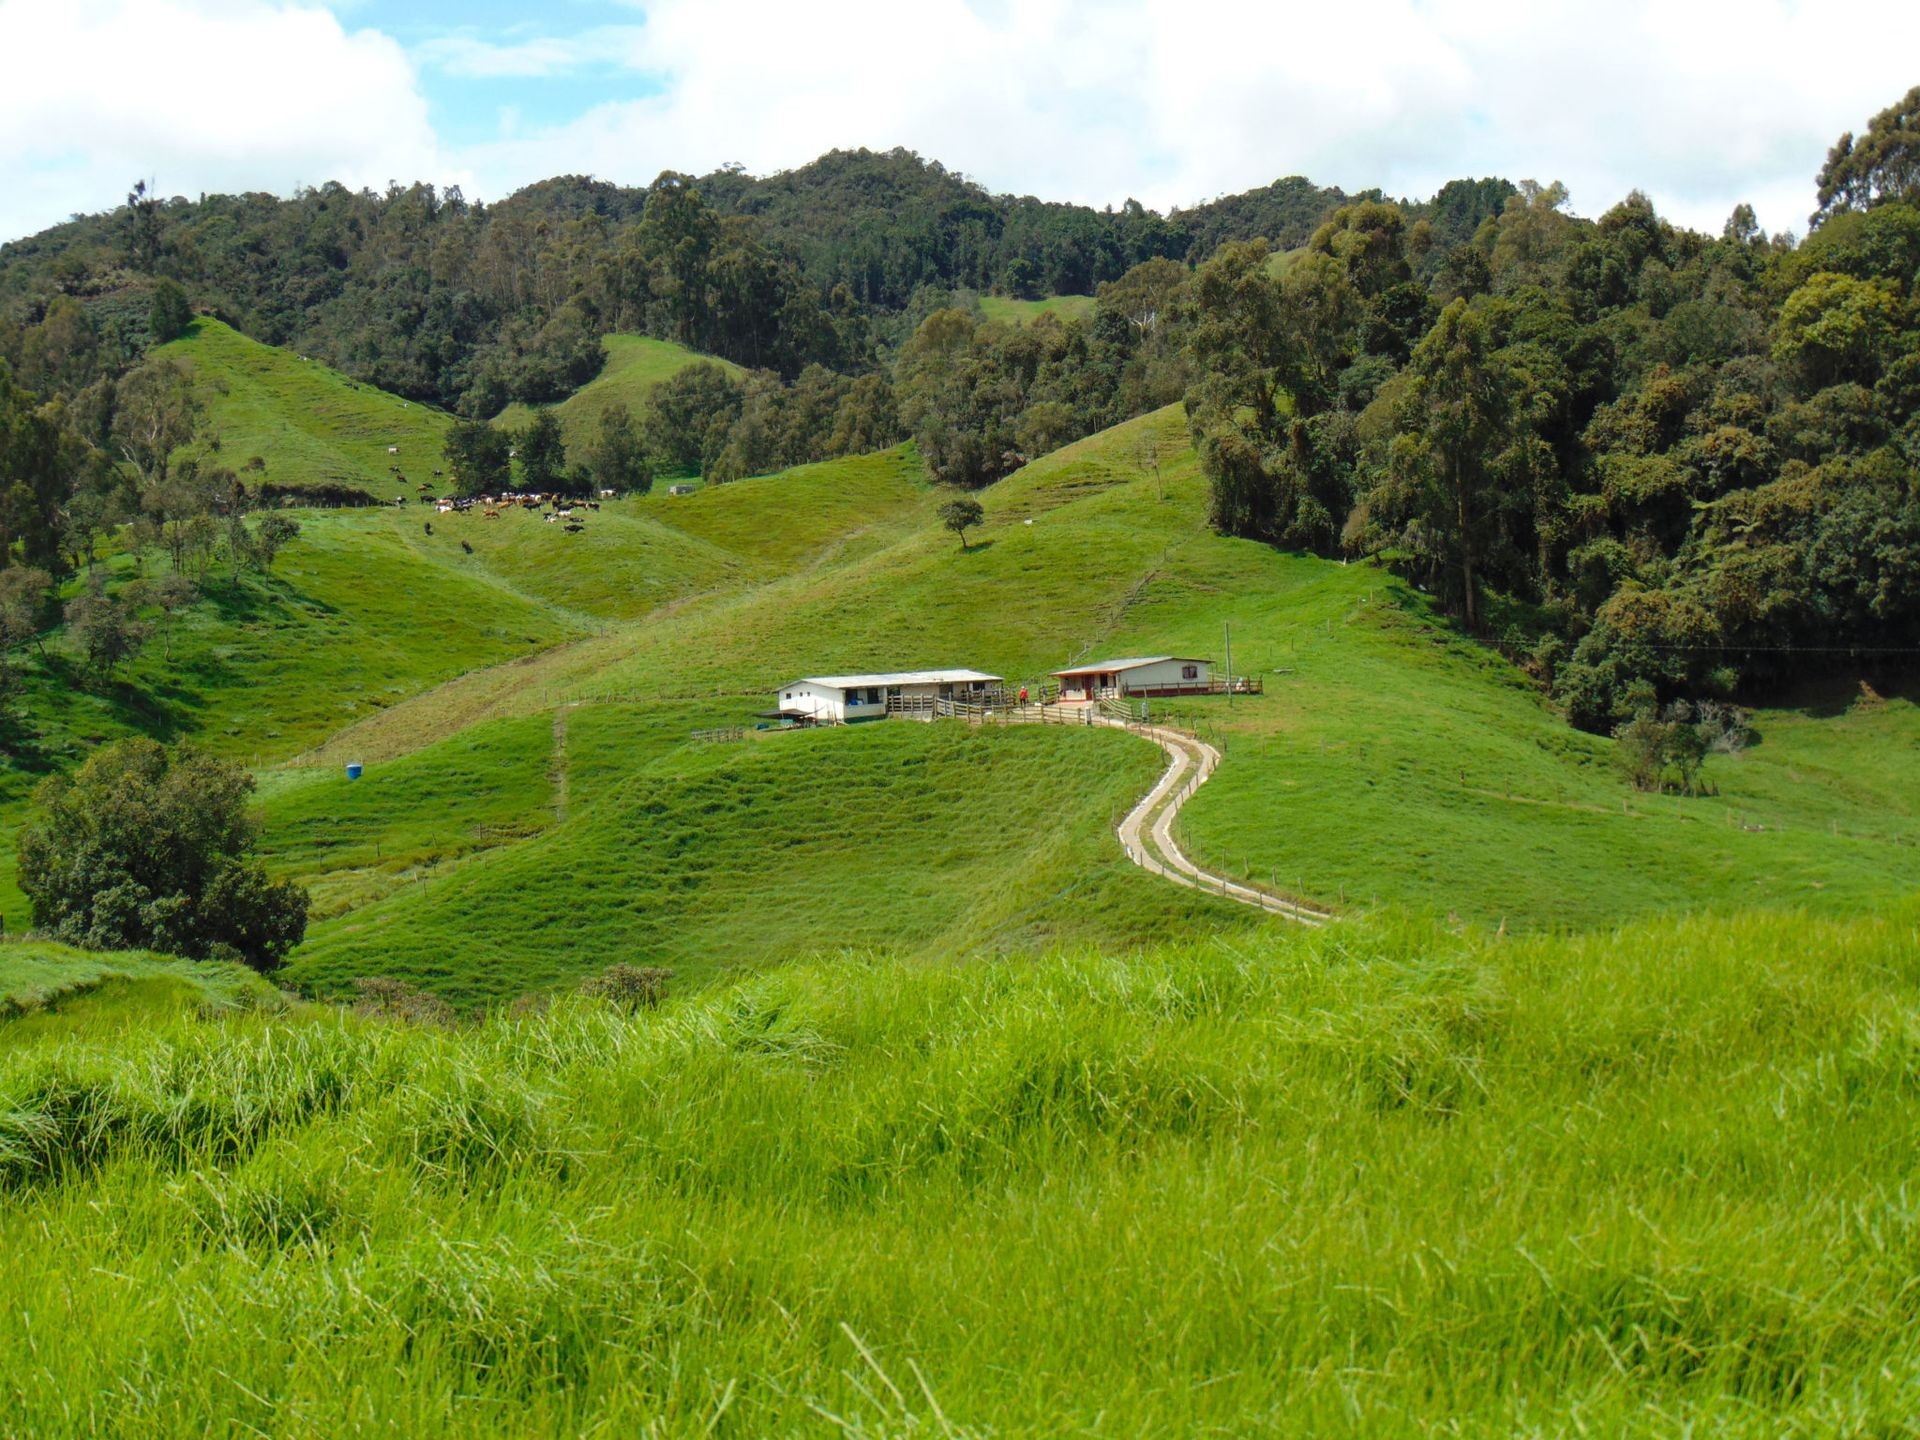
x=680 y=489
x=1136 y=675
x=846 y=699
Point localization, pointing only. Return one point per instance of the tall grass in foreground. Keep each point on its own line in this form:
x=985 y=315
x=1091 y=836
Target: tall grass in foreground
x=1374 y=1180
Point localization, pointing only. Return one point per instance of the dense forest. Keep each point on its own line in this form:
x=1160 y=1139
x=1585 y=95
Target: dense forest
x=1651 y=464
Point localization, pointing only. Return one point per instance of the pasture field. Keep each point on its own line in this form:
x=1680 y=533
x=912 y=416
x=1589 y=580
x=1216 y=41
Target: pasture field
x=312 y=425
x=349 y=840
x=634 y=365
x=1591 y=1113
x=1379 y=1179
x=1009 y=311
x=949 y=841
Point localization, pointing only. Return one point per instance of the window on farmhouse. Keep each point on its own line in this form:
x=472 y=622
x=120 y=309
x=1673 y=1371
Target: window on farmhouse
x=1189 y=672
x=873 y=695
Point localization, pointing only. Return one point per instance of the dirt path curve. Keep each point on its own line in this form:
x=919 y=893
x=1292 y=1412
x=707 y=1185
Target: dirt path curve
x=1146 y=834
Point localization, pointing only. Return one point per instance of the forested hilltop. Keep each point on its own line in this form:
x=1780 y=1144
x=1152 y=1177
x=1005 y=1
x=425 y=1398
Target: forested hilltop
x=1656 y=465
x=471 y=305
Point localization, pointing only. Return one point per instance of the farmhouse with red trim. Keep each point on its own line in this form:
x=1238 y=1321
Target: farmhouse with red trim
x=1136 y=675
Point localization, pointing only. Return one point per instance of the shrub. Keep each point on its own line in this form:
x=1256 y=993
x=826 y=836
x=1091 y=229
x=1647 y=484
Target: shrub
x=630 y=987
x=389 y=999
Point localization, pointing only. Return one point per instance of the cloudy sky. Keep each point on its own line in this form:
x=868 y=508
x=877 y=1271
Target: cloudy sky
x=1701 y=103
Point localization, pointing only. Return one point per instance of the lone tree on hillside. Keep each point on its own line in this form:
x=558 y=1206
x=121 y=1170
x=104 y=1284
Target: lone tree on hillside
x=961 y=516
x=268 y=538
x=147 y=848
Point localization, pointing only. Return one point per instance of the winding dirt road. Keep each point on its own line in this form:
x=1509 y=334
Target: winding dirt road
x=1146 y=834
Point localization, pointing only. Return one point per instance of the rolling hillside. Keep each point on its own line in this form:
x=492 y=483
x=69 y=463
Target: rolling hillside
x=634 y=365
x=933 y=838
x=315 y=428
x=1390 y=762
x=524 y=699
x=1592 y=1112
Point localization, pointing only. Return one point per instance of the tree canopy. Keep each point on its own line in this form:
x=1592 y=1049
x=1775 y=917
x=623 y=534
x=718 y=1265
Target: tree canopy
x=149 y=848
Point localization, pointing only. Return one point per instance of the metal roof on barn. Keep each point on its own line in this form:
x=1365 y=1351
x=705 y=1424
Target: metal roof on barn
x=1132 y=662
x=897 y=677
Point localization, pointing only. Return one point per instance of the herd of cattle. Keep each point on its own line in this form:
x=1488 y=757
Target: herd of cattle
x=554 y=508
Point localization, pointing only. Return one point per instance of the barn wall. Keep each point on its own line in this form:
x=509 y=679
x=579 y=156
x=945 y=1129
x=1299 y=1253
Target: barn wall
x=1164 y=677
x=815 y=700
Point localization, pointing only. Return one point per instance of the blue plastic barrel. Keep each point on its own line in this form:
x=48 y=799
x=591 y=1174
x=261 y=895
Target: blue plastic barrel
x=353 y=770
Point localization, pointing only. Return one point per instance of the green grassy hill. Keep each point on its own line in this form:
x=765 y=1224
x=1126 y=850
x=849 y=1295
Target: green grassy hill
x=1592 y=1114
x=1381 y=1179
x=951 y=841
x=634 y=365
x=1021 y=312
x=315 y=427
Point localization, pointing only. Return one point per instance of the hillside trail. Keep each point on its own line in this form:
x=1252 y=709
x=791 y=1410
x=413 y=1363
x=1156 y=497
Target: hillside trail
x=1146 y=832
x=557 y=772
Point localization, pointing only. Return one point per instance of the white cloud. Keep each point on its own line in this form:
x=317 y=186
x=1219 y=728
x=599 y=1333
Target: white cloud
x=219 y=95
x=476 y=59
x=1702 y=103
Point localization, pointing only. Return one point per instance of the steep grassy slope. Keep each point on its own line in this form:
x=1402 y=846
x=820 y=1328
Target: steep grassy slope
x=354 y=840
x=634 y=365
x=354 y=617
x=352 y=620
x=707 y=856
x=806 y=517
x=313 y=426
x=1375 y=1181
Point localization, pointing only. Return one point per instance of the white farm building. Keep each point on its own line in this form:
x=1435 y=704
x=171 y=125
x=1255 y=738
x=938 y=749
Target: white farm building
x=1136 y=675
x=843 y=699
